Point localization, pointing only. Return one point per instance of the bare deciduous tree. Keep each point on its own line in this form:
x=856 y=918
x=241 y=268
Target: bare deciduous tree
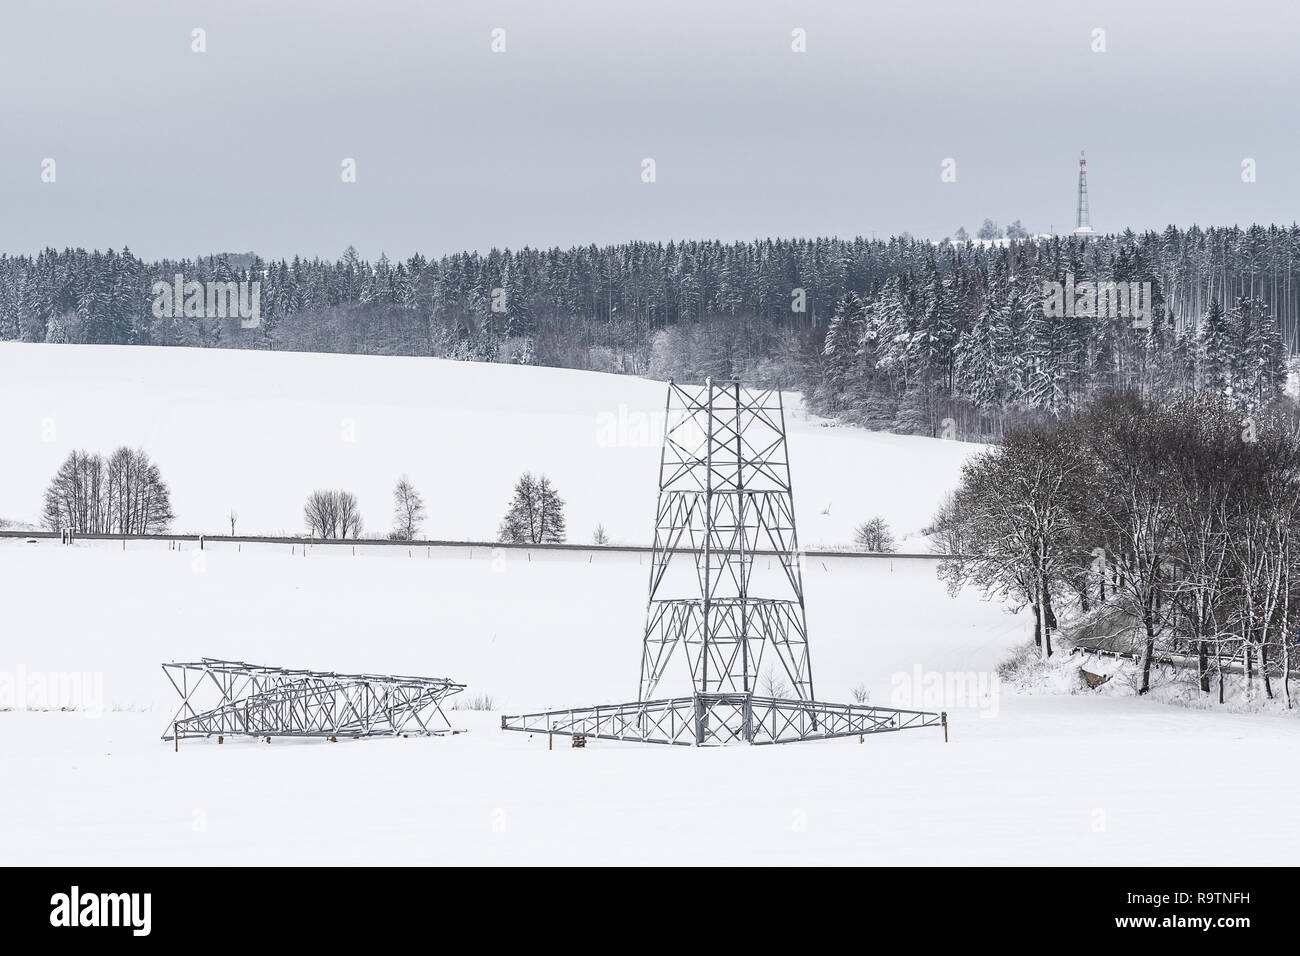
x=1018 y=511
x=408 y=511
x=1179 y=518
x=124 y=495
x=774 y=684
x=332 y=514
x=874 y=535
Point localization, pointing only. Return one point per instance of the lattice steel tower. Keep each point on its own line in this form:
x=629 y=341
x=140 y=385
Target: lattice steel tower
x=724 y=495
x=1082 y=223
x=725 y=583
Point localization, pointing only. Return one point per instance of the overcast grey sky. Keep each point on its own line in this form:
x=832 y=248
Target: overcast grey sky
x=175 y=153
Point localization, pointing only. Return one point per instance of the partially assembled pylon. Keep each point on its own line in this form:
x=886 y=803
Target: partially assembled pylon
x=725 y=586
x=232 y=698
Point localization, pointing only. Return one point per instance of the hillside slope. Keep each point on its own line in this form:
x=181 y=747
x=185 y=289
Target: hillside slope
x=257 y=431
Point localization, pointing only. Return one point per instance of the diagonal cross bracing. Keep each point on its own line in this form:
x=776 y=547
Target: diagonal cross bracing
x=724 y=495
x=715 y=719
x=236 y=698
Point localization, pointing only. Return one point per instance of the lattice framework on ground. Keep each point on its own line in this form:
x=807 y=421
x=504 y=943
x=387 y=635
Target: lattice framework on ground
x=233 y=698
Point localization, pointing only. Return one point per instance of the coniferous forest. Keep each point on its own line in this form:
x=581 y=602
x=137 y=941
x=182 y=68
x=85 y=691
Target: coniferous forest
x=904 y=335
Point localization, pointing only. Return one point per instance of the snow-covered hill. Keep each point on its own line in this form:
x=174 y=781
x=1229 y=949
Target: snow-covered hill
x=1042 y=779
x=257 y=431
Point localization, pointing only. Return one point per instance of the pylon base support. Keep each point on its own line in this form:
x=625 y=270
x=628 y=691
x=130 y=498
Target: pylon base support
x=712 y=720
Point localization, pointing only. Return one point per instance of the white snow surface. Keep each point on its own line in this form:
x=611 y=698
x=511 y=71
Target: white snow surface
x=256 y=432
x=1043 y=779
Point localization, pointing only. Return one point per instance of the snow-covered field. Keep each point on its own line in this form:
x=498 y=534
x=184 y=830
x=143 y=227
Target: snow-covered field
x=1051 y=781
x=1042 y=779
x=256 y=432
x=1048 y=778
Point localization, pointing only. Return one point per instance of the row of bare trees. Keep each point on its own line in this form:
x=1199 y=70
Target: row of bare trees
x=1182 y=519
x=125 y=494
x=535 y=516
x=121 y=494
x=332 y=513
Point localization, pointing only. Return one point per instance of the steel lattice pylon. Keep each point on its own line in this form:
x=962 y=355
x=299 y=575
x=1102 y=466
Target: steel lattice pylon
x=220 y=698
x=724 y=494
x=725 y=498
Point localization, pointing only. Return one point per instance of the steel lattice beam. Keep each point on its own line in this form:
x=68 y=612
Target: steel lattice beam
x=235 y=698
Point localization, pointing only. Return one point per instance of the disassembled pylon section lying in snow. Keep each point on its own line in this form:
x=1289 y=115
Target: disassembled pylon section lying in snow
x=221 y=698
x=725 y=497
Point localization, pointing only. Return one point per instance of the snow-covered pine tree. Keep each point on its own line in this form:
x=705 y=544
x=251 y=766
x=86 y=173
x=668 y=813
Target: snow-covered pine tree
x=1214 y=351
x=841 y=374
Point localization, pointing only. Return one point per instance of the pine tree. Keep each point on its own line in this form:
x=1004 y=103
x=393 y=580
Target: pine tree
x=535 y=515
x=521 y=525
x=1261 y=374
x=1214 y=351
x=840 y=378
x=550 y=513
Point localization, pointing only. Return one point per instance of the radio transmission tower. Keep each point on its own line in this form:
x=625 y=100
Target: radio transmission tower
x=1082 y=223
x=725 y=586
